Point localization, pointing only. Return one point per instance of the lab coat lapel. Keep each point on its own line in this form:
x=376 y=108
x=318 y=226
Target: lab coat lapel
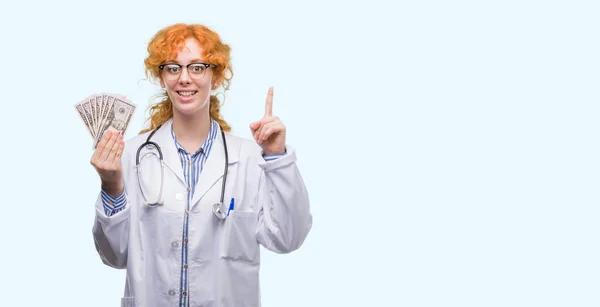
x=171 y=158
x=214 y=167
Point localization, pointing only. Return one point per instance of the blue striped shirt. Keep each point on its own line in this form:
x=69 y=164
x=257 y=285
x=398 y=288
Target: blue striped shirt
x=192 y=165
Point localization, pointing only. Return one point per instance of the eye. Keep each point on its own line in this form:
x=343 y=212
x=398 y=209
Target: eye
x=172 y=69
x=197 y=68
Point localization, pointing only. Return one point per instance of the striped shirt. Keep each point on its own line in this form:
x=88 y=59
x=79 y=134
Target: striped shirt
x=192 y=165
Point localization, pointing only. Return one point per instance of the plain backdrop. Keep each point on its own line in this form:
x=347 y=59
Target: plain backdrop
x=450 y=147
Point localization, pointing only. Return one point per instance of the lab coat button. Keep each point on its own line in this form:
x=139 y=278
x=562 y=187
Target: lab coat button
x=171 y=292
x=175 y=244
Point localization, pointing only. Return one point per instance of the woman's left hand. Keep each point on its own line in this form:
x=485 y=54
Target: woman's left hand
x=269 y=132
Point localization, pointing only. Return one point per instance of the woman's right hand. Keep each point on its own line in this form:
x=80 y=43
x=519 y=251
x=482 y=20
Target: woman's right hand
x=107 y=162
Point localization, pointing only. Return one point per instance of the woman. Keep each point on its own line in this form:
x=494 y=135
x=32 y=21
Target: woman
x=186 y=251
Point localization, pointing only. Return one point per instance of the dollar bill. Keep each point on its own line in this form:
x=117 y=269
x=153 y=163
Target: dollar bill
x=117 y=118
x=105 y=112
x=84 y=117
x=98 y=99
x=87 y=108
x=92 y=105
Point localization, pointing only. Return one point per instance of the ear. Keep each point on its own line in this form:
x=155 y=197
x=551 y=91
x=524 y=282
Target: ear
x=215 y=83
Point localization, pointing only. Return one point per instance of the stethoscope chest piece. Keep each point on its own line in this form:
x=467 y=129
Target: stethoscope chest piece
x=218 y=210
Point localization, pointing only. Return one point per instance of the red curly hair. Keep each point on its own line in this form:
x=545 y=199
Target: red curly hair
x=165 y=45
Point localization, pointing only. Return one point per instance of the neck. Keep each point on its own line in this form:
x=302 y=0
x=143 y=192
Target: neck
x=191 y=131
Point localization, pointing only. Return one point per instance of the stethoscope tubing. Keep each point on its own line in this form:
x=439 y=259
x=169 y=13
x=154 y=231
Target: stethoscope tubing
x=217 y=207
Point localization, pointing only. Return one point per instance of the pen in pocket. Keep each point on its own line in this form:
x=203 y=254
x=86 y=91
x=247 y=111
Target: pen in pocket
x=231 y=205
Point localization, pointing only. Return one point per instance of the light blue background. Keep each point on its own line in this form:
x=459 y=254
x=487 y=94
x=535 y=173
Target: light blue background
x=450 y=147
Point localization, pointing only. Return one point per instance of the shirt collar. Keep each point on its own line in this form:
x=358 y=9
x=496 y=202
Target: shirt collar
x=212 y=133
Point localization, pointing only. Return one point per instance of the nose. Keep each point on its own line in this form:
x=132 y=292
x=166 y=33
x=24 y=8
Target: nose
x=184 y=78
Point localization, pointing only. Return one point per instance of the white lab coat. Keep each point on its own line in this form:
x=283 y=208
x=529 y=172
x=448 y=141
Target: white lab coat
x=271 y=209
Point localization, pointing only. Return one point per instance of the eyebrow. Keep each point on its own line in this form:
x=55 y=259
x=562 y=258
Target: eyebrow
x=192 y=61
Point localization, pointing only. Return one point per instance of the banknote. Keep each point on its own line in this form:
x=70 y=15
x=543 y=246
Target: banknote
x=102 y=112
x=117 y=118
x=85 y=118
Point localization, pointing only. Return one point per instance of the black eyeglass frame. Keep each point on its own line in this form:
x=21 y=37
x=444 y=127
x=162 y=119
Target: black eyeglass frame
x=206 y=65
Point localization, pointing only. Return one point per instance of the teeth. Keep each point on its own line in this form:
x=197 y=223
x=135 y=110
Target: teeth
x=186 y=93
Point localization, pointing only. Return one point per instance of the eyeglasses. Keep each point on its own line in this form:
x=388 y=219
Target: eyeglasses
x=196 y=71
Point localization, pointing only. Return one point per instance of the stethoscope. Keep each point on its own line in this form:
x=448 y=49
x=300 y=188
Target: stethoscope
x=218 y=209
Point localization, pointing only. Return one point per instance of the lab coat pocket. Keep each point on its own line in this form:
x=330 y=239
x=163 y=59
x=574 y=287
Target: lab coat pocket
x=239 y=237
x=128 y=302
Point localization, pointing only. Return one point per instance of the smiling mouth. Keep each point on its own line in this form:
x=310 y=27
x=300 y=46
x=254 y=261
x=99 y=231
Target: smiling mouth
x=186 y=93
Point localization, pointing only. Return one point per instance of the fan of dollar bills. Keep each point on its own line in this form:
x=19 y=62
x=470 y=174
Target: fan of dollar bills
x=105 y=112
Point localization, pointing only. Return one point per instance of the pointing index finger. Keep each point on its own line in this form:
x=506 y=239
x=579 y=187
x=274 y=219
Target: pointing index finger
x=269 y=103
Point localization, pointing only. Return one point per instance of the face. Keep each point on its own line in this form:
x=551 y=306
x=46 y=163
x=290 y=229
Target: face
x=188 y=92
